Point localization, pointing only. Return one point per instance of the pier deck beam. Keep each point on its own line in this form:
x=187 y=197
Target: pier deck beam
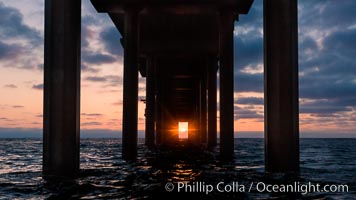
x=130 y=92
x=281 y=85
x=61 y=121
x=226 y=84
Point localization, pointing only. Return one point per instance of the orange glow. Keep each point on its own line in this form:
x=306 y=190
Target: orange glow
x=183 y=130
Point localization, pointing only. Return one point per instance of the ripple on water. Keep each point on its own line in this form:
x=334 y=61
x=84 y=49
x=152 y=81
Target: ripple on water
x=104 y=175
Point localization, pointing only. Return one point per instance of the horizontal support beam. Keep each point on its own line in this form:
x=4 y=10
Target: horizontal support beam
x=173 y=6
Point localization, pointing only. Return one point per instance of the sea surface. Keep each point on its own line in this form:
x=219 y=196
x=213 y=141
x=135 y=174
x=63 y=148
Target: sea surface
x=104 y=175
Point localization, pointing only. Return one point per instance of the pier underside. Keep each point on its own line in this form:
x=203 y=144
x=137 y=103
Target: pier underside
x=183 y=48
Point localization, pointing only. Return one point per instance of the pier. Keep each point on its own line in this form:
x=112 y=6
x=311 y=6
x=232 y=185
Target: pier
x=180 y=46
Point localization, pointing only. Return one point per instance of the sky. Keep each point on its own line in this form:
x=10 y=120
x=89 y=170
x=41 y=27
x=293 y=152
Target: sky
x=327 y=70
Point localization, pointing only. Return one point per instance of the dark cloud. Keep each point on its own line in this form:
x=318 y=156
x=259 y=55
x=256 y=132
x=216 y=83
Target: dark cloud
x=17 y=40
x=86 y=33
x=13 y=86
x=87 y=68
x=250 y=101
x=17 y=106
x=326 y=14
x=5 y=119
x=248 y=50
x=89 y=20
x=95 y=79
x=8 y=51
x=12 y=26
x=92 y=114
x=253 y=20
x=40 y=66
x=107 y=80
x=119 y=103
x=141 y=98
x=319 y=89
x=244 y=82
x=327 y=34
x=90 y=58
x=328 y=106
x=329 y=75
x=91 y=124
x=97 y=58
x=37 y=86
x=111 y=39
x=109 y=90
x=246 y=113
x=327 y=66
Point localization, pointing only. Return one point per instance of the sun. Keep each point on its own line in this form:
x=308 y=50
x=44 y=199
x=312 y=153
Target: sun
x=183 y=130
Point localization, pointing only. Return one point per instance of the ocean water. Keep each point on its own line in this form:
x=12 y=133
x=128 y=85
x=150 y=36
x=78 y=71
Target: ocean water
x=104 y=175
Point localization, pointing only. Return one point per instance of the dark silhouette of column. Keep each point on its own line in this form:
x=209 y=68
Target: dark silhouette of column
x=226 y=84
x=212 y=116
x=150 y=103
x=281 y=85
x=159 y=99
x=203 y=107
x=129 y=125
x=61 y=124
x=158 y=122
x=193 y=137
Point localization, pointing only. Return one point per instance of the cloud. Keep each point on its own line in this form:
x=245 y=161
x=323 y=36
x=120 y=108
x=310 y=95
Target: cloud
x=37 y=86
x=91 y=124
x=244 y=82
x=20 y=44
x=98 y=43
x=250 y=100
x=9 y=51
x=88 y=68
x=97 y=58
x=327 y=14
x=328 y=106
x=92 y=114
x=327 y=69
x=111 y=38
x=248 y=51
x=5 y=119
x=12 y=86
x=17 y=106
x=109 y=80
x=246 y=113
x=12 y=26
x=119 y=103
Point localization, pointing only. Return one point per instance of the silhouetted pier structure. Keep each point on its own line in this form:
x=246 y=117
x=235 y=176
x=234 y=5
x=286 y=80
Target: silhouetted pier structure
x=179 y=46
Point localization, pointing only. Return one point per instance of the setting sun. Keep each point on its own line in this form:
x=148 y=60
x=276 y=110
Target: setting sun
x=183 y=130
